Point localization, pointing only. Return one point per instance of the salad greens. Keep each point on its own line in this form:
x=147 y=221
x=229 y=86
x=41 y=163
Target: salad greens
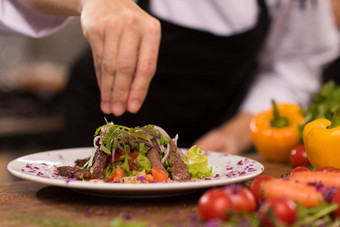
x=321 y=213
x=324 y=104
x=110 y=138
x=197 y=163
x=115 y=136
x=139 y=155
x=143 y=162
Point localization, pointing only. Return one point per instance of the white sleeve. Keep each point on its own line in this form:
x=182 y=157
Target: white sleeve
x=17 y=19
x=300 y=42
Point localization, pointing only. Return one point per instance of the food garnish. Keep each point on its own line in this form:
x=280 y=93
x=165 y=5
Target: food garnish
x=138 y=155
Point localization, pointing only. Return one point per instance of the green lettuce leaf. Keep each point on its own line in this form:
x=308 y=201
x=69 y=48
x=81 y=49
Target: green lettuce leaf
x=143 y=163
x=197 y=163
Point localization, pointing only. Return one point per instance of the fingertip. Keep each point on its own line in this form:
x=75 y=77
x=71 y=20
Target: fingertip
x=118 y=108
x=134 y=106
x=106 y=107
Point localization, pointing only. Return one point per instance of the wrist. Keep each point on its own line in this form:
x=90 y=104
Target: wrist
x=55 y=7
x=79 y=5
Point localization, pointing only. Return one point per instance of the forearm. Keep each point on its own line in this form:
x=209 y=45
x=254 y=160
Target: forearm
x=336 y=11
x=55 y=7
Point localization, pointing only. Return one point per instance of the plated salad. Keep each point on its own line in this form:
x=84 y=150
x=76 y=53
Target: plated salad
x=138 y=155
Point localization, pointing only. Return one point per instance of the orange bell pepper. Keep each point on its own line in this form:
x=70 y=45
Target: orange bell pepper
x=275 y=132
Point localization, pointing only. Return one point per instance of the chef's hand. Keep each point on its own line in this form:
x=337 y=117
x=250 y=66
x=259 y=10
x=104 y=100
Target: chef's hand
x=124 y=40
x=233 y=137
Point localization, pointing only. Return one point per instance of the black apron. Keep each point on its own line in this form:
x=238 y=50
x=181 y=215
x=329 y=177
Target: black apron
x=200 y=82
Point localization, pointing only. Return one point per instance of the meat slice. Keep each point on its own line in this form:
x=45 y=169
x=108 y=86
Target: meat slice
x=153 y=157
x=69 y=171
x=179 y=170
x=82 y=174
x=65 y=171
x=99 y=165
x=81 y=162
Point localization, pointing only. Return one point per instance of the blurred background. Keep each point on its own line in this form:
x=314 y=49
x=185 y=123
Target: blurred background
x=33 y=72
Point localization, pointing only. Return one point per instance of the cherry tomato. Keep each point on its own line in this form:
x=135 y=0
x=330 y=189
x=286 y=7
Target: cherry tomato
x=336 y=200
x=328 y=169
x=214 y=204
x=221 y=203
x=133 y=161
x=117 y=175
x=256 y=186
x=298 y=156
x=299 y=169
x=241 y=197
x=159 y=175
x=278 y=210
x=119 y=156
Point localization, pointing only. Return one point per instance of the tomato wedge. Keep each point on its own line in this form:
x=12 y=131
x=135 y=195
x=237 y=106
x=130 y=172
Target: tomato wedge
x=159 y=175
x=117 y=175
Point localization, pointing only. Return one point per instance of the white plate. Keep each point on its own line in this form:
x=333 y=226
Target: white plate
x=41 y=168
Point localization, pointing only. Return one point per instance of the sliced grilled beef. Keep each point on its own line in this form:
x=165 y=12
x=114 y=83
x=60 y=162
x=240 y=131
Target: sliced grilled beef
x=66 y=171
x=69 y=171
x=82 y=174
x=179 y=170
x=153 y=157
x=99 y=165
x=81 y=162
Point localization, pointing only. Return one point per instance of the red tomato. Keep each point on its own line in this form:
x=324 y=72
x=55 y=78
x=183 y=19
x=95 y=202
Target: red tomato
x=117 y=175
x=328 y=169
x=118 y=157
x=221 y=203
x=256 y=186
x=214 y=204
x=298 y=156
x=159 y=175
x=278 y=210
x=299 y=169
x=241 y=197
x=133 y=161
x=336 y=200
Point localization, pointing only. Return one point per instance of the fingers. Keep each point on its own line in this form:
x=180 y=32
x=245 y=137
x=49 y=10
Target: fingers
x=146 y=67
x=108 y=65
x=125 y=67
x=124 y=41
x=132 y=67
x=94 y=36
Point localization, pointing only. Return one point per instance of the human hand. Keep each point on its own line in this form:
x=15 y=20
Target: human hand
x=233 y=137
x=124 y=41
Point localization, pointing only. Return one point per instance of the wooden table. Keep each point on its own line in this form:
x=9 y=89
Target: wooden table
x=24 y=203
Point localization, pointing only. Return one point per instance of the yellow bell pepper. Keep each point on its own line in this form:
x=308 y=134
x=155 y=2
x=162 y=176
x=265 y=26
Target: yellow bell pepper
x=275 y=132
x=321 y=138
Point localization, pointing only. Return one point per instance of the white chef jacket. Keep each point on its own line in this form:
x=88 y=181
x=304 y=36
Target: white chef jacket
x=301 y=39
x=17 y=19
